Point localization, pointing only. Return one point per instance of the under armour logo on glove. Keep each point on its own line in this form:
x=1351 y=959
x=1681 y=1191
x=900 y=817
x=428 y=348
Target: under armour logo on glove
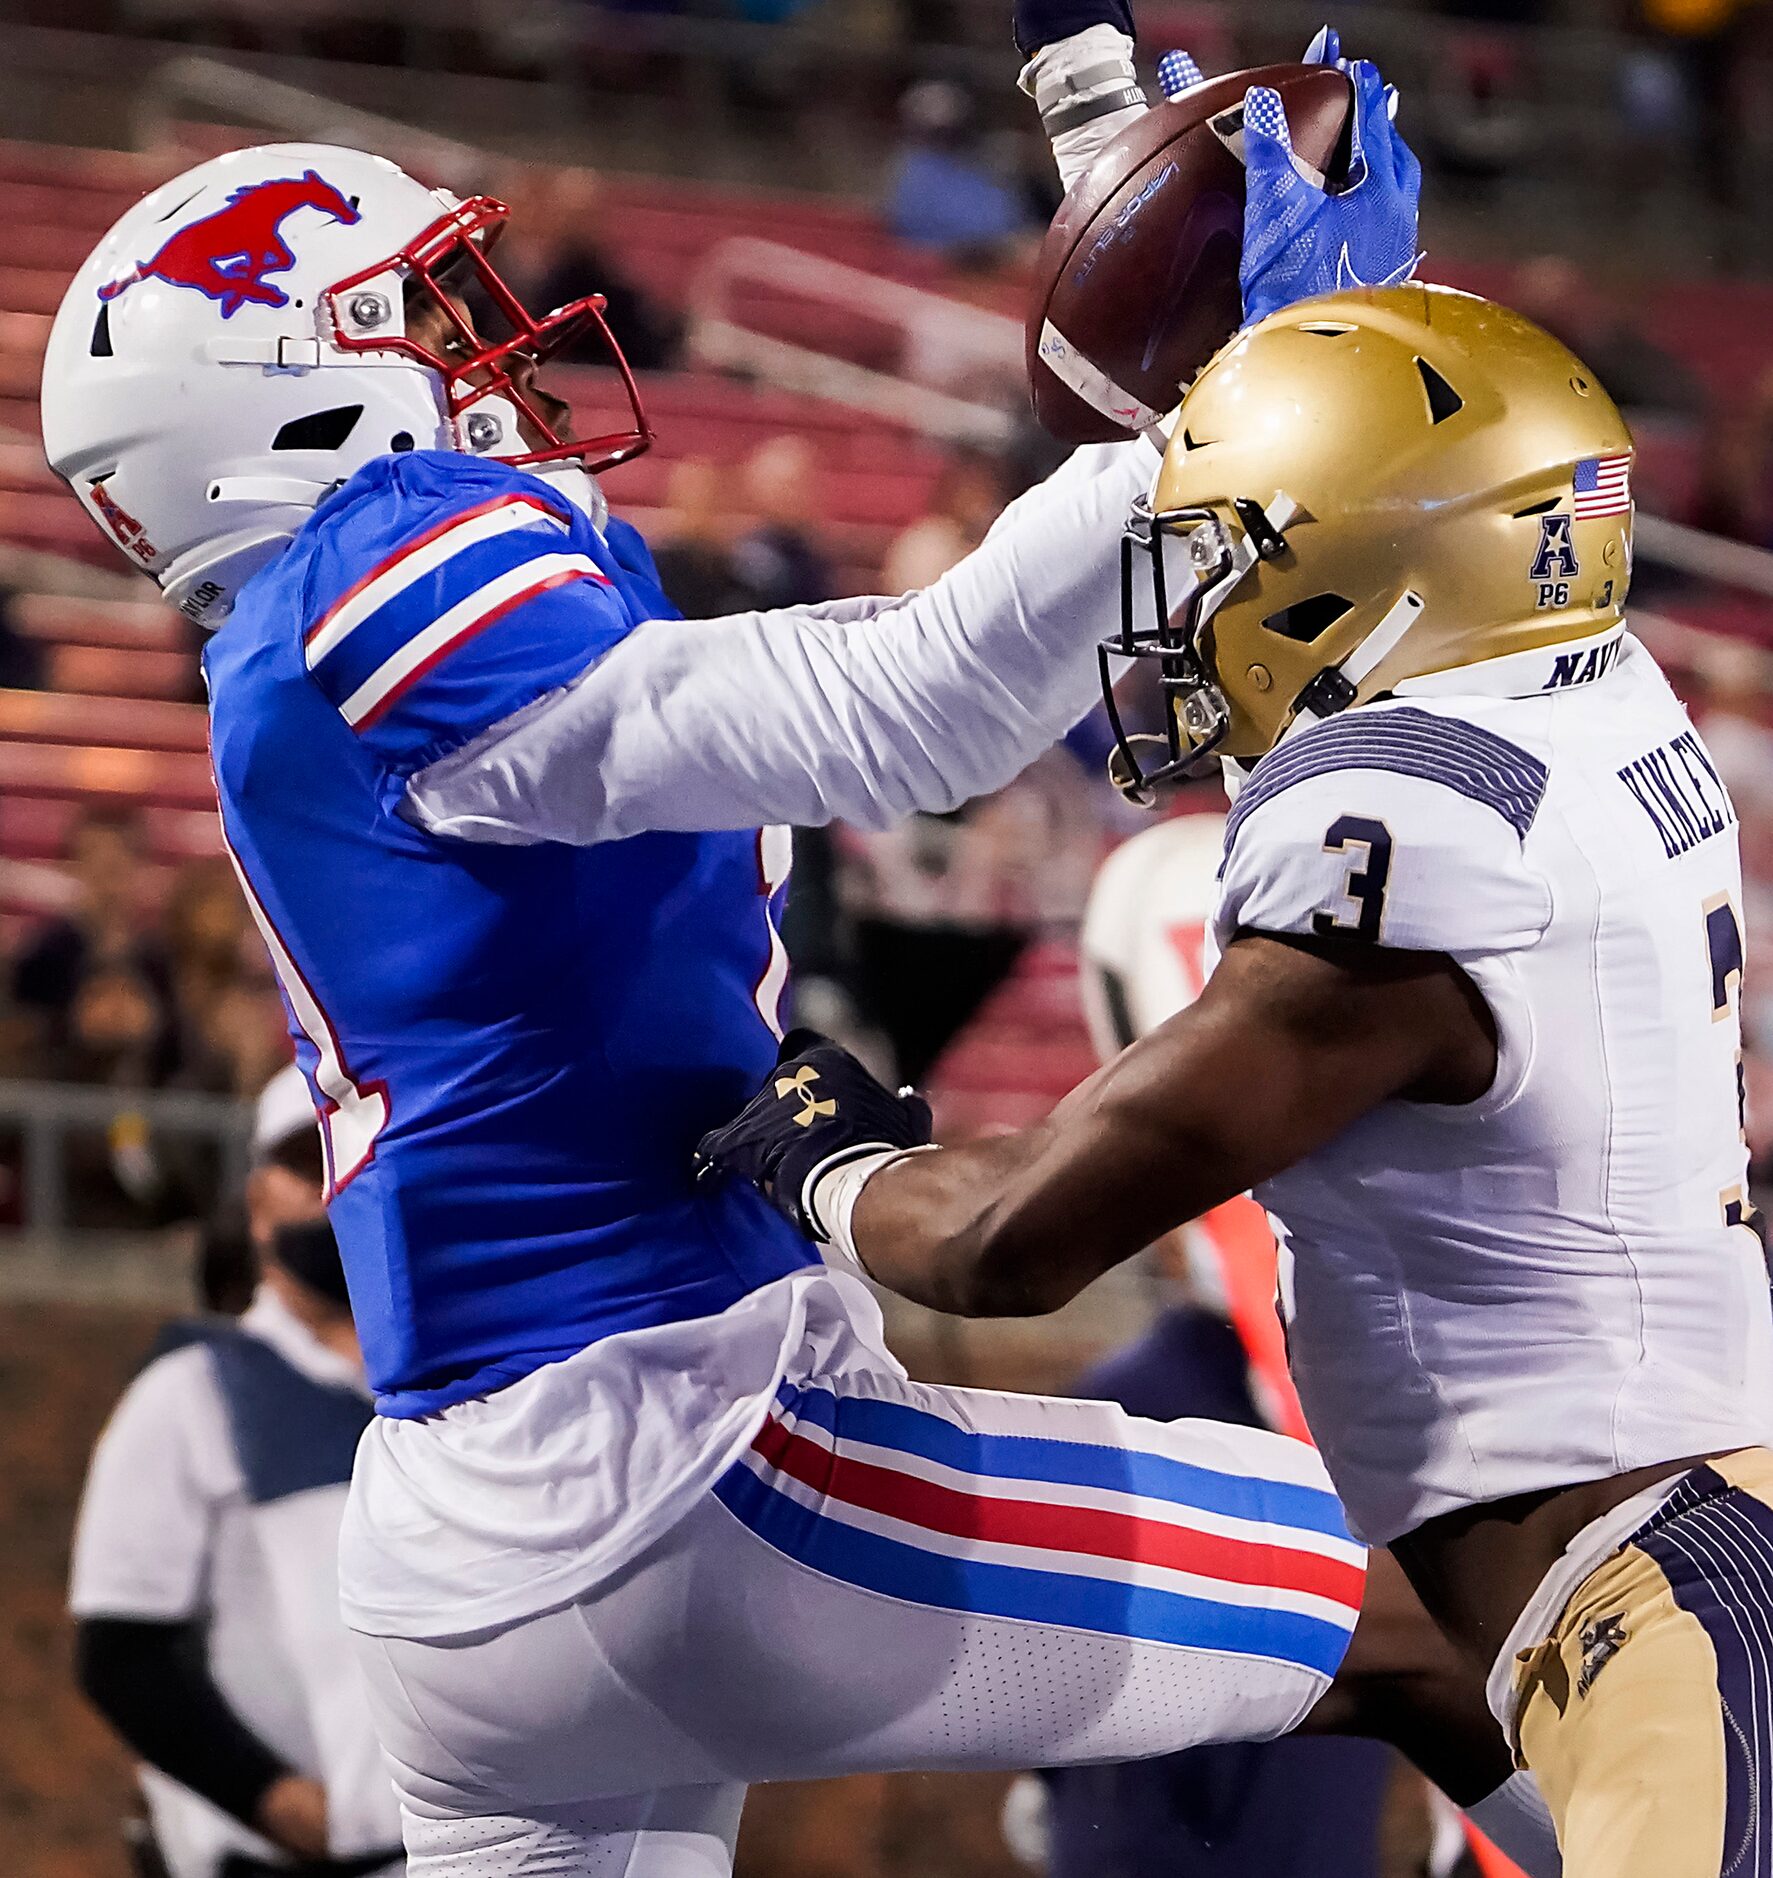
x=818 y=1111
x=1300 y=240
x=799 y=1084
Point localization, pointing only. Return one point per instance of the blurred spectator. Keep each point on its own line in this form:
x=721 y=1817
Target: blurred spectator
x=193 y=1007
x=204 y=927
x=1638 y=374
x=1735 y=445
x=694 y=549
x=105 y=929
x=21 y=656
x=241 y=1037
x=943 y=192
x=1681 y=83
x=551 y=254
x=232 y=1033
x=1728 y=694
x=781 y=561
x=115 y=1026
x=283 y=1184
x=967 y=498
x=1475 y=122
x=942 y=906
x=204 y=1578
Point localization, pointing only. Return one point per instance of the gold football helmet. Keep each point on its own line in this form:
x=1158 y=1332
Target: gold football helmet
x=1364 y=488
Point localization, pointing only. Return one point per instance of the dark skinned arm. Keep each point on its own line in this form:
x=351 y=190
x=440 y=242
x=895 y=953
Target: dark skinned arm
x=1291 y=1041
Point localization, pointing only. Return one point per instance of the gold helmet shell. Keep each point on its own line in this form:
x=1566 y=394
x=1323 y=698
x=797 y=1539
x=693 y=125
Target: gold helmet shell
x=1369 y=487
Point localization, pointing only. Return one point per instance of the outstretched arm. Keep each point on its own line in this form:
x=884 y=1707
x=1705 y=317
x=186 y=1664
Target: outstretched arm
x=1290 y=1042
x=869 y=716
x=804 y=718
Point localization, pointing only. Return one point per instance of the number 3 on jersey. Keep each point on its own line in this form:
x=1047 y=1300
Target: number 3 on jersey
x=1723 y=941
x=1365 y=885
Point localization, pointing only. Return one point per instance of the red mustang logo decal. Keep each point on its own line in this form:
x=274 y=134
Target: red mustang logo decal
x=228 y=254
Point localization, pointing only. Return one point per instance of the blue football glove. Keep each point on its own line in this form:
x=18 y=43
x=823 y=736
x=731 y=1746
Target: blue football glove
x=1298 y=239
x=1325 y=49
x=819 y=1109
x=1177 y=73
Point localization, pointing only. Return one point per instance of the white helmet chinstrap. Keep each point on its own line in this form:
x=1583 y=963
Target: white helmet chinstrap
x=238 y=345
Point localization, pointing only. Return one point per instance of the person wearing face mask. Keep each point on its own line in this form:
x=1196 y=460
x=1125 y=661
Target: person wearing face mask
x=204 y=1584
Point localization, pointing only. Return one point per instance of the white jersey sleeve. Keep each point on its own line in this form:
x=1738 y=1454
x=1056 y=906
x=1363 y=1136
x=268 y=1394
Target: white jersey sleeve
x=1399 y=826
x=867 y=712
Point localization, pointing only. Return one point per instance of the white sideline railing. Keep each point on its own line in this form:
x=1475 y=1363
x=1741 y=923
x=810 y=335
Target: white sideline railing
x=943 y=338
x=46 y=1255
x=940 y=337
x=39 y=570
x=249 y=98
x=1705 y=557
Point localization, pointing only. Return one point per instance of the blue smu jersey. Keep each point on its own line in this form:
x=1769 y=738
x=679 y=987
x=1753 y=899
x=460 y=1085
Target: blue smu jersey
x=514 y=1049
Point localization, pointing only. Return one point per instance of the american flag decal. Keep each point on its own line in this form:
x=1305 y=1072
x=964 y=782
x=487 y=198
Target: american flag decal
x=1603 y=485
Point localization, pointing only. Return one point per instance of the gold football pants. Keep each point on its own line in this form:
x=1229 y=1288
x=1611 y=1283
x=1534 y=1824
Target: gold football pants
x=1647 y=1714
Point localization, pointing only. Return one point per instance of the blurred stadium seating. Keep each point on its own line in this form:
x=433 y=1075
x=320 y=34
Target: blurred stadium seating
x=803 y=318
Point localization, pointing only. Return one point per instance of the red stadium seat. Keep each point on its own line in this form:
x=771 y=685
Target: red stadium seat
x=140 y=724
x=172 y=779
x=126 y=625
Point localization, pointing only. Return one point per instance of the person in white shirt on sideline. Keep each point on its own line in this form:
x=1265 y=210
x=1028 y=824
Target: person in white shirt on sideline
x=204 y=1578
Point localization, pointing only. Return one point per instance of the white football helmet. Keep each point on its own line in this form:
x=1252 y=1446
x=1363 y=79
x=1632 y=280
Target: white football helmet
x=237 y=345
x=1145 y=929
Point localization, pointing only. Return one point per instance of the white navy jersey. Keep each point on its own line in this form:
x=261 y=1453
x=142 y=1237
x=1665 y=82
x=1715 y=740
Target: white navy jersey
x=1553 y=1283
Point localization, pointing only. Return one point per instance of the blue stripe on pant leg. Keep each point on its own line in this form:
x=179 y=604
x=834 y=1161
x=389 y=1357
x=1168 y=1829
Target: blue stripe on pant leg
x=1717 y=1555
x=901 y=1570
x=1065 y=1463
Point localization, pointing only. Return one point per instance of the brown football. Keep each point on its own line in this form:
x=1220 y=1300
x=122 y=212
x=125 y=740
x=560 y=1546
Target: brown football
x=1136 y=286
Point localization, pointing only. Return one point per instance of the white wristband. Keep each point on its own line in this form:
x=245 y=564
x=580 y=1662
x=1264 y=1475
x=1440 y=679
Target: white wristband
x=1091 y=66
x=831 y=1200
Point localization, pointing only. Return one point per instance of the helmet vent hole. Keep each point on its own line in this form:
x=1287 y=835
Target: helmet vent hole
x=1443 y=400
x=1326 y=329
x=1306 y=620
x=101 y=332
x=1538 y=508
x=401 y=440
x=320 y=430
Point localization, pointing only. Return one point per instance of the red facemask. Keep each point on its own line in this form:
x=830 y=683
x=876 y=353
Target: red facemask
x=450 y=258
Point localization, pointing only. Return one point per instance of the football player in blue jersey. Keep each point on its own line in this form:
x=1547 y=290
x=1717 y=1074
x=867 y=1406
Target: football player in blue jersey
x=648 y=1512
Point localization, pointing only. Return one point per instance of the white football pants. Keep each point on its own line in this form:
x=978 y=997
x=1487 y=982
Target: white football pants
x=893 y=1576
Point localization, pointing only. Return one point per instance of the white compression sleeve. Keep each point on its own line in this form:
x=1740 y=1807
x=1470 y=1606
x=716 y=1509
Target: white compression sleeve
x=795 y=717
x=1517 y=1819
x=1087 y=92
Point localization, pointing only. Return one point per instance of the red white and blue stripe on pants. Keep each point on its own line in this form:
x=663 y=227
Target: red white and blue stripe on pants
x=913 y=1504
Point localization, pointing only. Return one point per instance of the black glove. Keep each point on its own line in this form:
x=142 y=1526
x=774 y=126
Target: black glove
x=818 y=1110
x=1045 y=22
